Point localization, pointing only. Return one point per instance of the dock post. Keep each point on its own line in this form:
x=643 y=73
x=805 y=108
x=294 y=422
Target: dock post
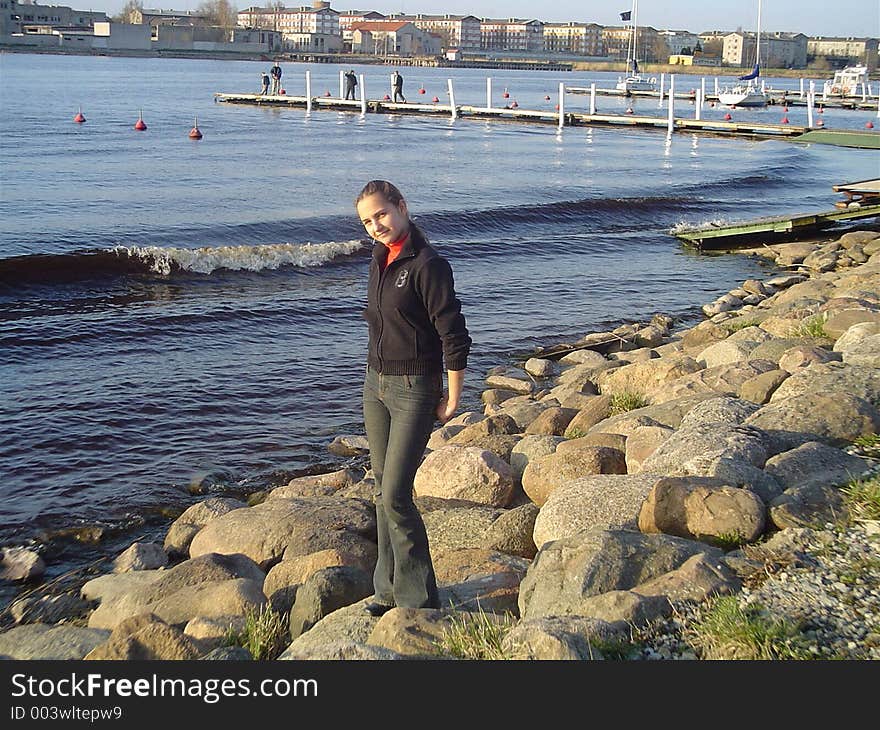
x=810 y=109
x=802 y=88
x=671 y=125
x=363 y=96
x=488 y=92
x=702 y=90
x=593 y=99
x=451 y=98
x=341 y=92
x=698 y=105
x=662 y=87
x=716 y=86
x=763 y=86
x=308 y=91
x=561 y=105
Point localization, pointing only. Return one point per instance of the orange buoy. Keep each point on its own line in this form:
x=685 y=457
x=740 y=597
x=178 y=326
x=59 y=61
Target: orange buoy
x=139 y=125
x=195 y=132
x=728 y=117
x=79 y=118
x=435 y=99
x=869 y=124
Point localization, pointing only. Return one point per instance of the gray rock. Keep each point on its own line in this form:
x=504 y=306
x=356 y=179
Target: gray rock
x=326 y=591
x=18 y=563
x=706 y=440
x=811 y=506
x=832 y=378
x=141 y=556
x=40 y=641
x=531 y=447
x=722 y=379
x=633 y=608
x=540 y=367
x=193 y=519
x=569 y=570
x=609 y=501
x=815 y=464
x=720 y=409
x=855 y=334
x=802 y=356
x=228 y=653
x=466 y=472
x=267 y=531
x=512 y=532
x=575 y=638
x=316 y=485
x=450 y=529
x=760 y=388
x=349 y=624
x=697 y=579
x=506 y=382
x=48 y=609
x=349 y=446
x=545 y=474
x=643 y=442
x=864 y=353
x=342 y=650
x=145 y=637
x=732 y=471
x=479 y=579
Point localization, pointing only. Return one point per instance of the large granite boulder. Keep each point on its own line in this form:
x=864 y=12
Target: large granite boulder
x=145 y=637
x=815 y=463
x=193 y=519
x=479 y=579
x=325 y=591
x=573 y=638
x=42 y=641
x=547 y=473
x=736 y=441
x=466 y=472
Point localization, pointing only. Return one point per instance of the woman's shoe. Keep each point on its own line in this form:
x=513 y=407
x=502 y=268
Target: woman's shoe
x=377 y=609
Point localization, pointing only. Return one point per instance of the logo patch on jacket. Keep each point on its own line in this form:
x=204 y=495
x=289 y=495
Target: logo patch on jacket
x=401 y=279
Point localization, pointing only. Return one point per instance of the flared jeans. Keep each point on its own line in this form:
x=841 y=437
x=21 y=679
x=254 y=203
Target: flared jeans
x=399 y=415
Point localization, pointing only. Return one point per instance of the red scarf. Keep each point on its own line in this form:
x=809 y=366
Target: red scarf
x=394 y=249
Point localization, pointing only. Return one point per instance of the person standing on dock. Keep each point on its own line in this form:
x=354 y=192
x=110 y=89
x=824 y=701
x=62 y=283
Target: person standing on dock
x=397 y=85
x=275 y=72
x=415 y=327
x=350 y=84
x=265 y=86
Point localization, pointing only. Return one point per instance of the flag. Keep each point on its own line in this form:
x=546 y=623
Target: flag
x=626 y=15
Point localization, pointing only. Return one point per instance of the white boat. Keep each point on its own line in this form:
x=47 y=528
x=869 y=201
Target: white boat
x=634 y=81
x=750 y=93
x=846 y=82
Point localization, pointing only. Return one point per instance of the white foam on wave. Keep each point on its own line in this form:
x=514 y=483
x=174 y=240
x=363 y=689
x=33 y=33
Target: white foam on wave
x=238 y=258
x=686 y=226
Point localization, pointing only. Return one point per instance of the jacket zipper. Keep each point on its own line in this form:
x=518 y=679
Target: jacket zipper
x=381 y=284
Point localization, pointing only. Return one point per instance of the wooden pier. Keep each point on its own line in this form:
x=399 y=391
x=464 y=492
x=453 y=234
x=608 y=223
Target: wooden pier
x=749 y=129
x=862 y=201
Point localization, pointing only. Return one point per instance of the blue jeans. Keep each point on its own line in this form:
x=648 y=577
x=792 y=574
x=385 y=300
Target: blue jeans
x=399 y=415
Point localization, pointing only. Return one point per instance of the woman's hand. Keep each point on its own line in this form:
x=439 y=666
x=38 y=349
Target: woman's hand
x=448 y=404
x=446 y=408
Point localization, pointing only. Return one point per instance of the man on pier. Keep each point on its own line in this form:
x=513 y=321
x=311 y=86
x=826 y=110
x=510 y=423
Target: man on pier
x=397 y=84
x=350 y=84
x=275 y=73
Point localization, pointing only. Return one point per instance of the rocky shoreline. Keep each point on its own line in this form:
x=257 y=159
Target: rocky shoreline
x=611 y=491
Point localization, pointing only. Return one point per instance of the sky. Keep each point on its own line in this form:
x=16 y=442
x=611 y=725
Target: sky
x=813 y=17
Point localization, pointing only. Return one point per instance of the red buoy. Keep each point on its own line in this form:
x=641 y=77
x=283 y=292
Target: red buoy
x=557 y=107
x=195 y=132
x=422 y=90
x=785 y=109
x=869 y=124
x=282 y=91
x=547 y=97
x=513 y=104
x=79 y=118
x=139 y=124
x=785 y=120
x=327 y=93
x=820 y=123
x=505 y=94
x=435 y=99
x=820 y=110
x=728 y=117
x=386 y=97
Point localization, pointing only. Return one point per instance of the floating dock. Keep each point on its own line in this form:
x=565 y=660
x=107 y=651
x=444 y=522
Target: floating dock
x=750 y=129
x=863 y=201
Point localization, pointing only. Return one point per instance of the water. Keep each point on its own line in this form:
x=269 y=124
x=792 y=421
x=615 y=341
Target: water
x=171 y=309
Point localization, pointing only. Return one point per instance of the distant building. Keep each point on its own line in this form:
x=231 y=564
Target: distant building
x=461 y=32
x=581 y=39
x=778 y=50
x=844 y=50
x=513 y=34
x=167 y=17
x=648 y=43
x=393 y=38
x=16 y=17
x=320 y=18
x=679 y=41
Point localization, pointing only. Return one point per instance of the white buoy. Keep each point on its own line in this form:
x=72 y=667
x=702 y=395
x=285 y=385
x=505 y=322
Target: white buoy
x=308 y=91
x=452 y=98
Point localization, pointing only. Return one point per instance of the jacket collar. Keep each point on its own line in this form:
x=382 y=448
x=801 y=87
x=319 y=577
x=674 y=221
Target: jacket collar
x=415 y=243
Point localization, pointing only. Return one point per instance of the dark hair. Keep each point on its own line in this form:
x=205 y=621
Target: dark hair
x=386 y=189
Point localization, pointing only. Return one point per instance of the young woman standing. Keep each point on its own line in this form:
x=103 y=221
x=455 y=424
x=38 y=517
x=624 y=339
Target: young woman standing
x=415 y=328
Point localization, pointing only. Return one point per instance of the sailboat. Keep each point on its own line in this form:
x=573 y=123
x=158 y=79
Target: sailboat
x=634 y=81
x=748 y=94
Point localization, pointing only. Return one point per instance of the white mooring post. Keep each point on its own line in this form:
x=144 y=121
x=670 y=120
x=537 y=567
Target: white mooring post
x=703 y=90
x=671 y=125
x=592 y=98
x=363 y=96
x=561 y=104
x=488 y=92
x=698 y=105
x=662 y=87
x=810 y=110
x=341 y=92
x=451 y=98
x=716 y=86
x=802 y=87
x=308 y=91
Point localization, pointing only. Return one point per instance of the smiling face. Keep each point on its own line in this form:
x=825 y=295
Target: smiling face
x=382 y=219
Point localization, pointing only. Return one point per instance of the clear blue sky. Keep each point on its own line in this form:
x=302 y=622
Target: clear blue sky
x=813 y=17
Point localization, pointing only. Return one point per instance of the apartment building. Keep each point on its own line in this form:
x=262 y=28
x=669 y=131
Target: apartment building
x=648 y=43
x=778 y=50
x=581 y=39
x=16 y=17
x=461 y=32
x=512 y=34
x=143 y=16
x=393 y=38
x=851 y=50
x=320 y=19
x=678 y=41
